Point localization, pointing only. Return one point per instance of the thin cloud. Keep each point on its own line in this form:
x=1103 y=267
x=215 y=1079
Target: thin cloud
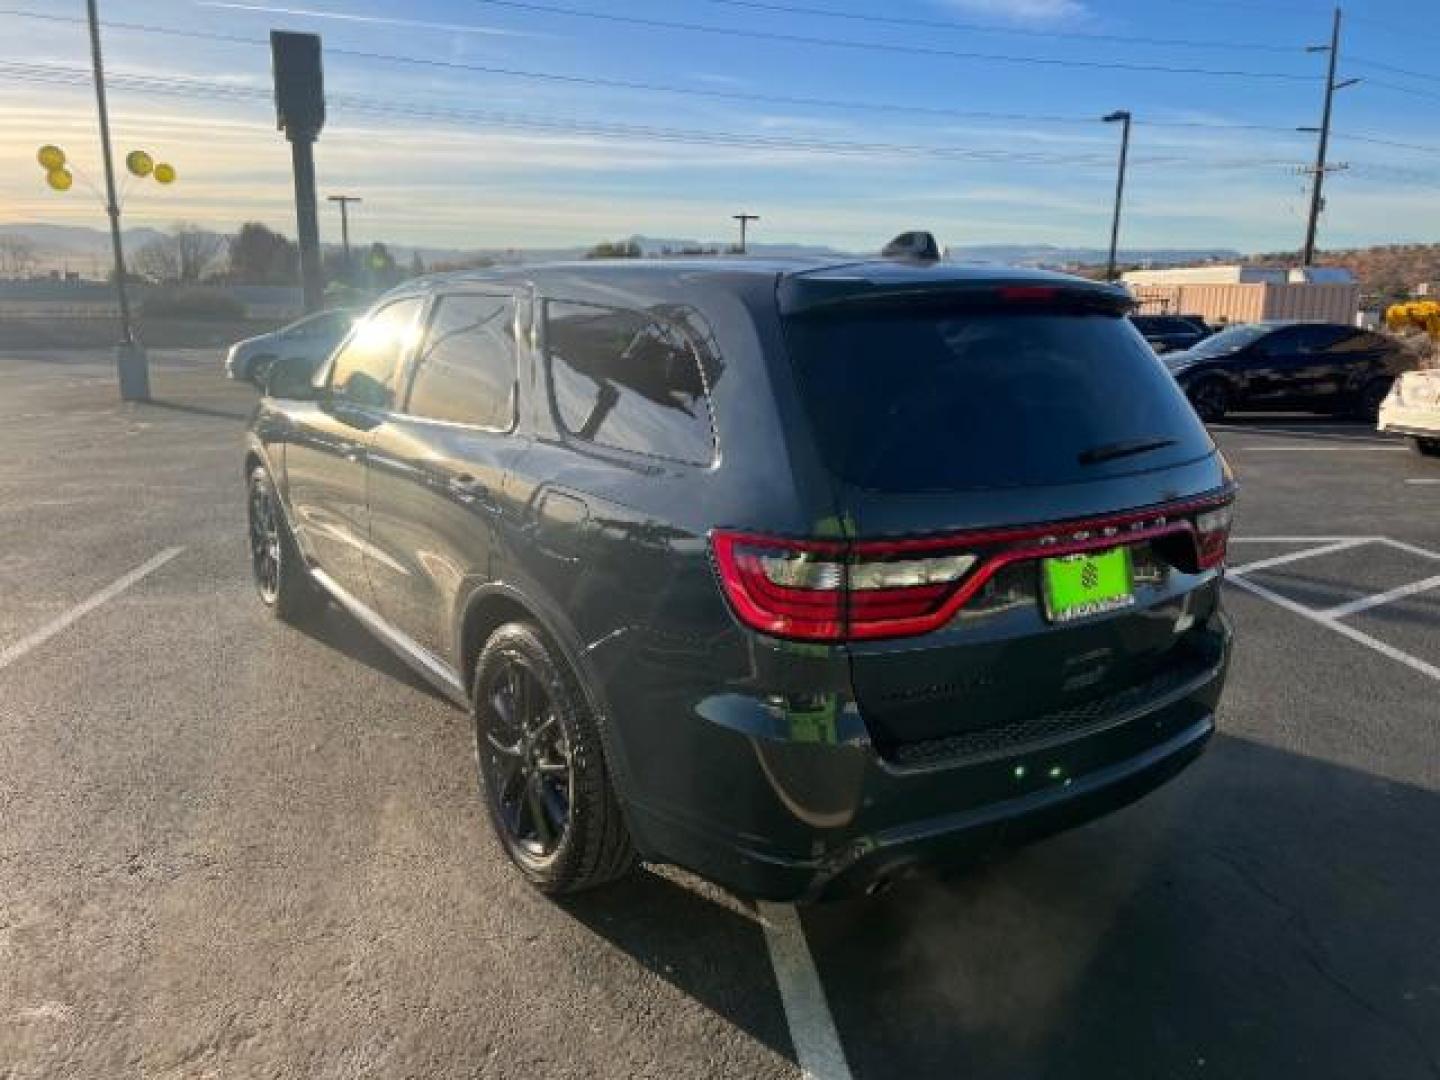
x=1031 y=11
x=378 y=20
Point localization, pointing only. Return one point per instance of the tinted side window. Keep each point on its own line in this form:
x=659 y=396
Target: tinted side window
x=366 y=369
x=627 y=380
x=1321 y=338
x=466 y=372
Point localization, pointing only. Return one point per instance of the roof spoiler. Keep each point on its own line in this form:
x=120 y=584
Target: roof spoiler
x=916 y=246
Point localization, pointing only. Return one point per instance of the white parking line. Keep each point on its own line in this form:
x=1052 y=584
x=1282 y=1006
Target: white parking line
x=1333 y=436
x=1423 y=480
x=14 y=652
x=1295 y=556
x=812 y=1028
x=1412 y=662
x=1413 y=549
x=1302 y=448
x=1365 y=603
x=1297 y=539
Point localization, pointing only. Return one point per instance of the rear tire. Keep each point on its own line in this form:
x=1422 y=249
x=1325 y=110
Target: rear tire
x=280 y=575
x=542 y=767
x=1211 y=399
x=1370 y=398
x=1428 y=447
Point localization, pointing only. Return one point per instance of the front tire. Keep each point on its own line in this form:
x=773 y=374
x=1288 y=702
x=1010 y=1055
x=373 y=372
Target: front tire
x=279 y=572
x=1210 y=399
x=542 y=767
x=1428 y=447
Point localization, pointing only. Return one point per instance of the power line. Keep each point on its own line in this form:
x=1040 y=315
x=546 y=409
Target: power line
x=1014 y=31
x=877 y=46
x=652 y=87
x=1378 y=66
x=718 y=94
x=1399 y=89
x=842 y=43
x=179 y=86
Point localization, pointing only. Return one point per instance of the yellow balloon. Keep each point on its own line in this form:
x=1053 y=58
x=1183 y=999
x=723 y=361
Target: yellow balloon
x=139 y=163
x=59 y=179
x=50 y=157
x=164 y=174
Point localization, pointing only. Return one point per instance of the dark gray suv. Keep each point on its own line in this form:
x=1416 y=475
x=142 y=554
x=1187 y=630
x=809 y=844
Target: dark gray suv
x=797 y=575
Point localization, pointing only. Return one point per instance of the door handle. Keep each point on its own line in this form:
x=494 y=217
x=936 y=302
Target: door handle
x=470 y=489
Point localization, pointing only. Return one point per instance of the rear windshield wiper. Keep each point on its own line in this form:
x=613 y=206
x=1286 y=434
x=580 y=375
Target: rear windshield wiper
x=1110 y=451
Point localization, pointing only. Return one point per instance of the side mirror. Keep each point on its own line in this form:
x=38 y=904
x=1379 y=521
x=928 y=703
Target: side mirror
x=291 y=377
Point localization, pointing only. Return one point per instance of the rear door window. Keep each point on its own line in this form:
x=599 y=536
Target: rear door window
x=366 y=370
x=628 y=380
x=466 y=370
x=918 y=401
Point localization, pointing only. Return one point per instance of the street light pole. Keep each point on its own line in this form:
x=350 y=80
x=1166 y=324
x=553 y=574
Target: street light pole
x=130 y=363
x=1122 y=117
x=344 y=201
x=744 y=220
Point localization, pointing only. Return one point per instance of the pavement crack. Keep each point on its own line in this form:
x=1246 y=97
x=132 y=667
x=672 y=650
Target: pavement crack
x=1316 y=957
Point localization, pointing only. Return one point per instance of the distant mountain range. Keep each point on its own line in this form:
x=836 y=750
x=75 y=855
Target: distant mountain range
x=57 y=245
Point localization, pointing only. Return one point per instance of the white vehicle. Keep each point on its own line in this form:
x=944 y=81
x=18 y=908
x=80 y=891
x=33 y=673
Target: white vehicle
x=1413 y=408
x=311 y=338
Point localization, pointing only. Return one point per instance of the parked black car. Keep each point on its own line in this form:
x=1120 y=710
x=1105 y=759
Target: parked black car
x=1168 y=333
x=795 y=575
x=1318 y=367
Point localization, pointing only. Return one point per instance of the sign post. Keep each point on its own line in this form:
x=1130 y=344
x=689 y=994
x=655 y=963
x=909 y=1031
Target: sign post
x=300 y=113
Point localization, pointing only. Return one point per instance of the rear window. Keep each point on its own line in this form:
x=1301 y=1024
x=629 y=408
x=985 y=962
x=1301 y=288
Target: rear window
x=905 y=402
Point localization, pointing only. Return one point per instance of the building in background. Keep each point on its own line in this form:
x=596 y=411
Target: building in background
x=1236 y=294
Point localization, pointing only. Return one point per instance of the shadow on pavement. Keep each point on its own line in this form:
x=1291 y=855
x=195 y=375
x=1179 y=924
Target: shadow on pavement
x=1267 y=915
x=196 y=410
x=337 y=628
x=695 y=937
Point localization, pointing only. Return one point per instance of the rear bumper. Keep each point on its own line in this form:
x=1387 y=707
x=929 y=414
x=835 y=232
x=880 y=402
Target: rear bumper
x=803 y=821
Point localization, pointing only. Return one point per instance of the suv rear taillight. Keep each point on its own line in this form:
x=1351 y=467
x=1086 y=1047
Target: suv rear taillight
x=837 y=590
x=1212 y=535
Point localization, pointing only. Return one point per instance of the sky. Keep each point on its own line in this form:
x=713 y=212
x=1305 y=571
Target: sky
x=976 y=119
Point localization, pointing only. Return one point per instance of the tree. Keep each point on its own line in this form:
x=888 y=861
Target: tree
x=616 y=249
x=17 y=256
x=260 y=256
x=381 y=266
x=182 y=258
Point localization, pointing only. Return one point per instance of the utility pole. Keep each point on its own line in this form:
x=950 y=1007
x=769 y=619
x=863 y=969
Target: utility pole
x=130 y=363
x=344 y=202
x=744 y=220
x=1122 y=117
x=1317 y=197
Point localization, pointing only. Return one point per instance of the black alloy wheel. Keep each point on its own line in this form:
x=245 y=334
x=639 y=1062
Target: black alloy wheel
x=543 y=773
x=527 y=759
x=281 y=578
x=267 y=549
x=1211 y=399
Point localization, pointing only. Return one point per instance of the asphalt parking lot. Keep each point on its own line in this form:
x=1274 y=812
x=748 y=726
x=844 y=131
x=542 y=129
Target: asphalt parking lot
x=233 y=848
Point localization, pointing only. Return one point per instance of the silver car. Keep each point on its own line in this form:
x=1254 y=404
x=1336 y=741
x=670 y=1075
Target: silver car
x=311 y=338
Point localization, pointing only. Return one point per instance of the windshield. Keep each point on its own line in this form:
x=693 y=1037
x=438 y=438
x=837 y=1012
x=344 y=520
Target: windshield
x=907 y=402
x=1228 y=341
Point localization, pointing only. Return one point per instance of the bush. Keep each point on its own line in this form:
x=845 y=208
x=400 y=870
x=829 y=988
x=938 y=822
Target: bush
x=203 y=304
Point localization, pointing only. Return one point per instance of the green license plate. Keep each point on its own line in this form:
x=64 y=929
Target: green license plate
x=1091 y=583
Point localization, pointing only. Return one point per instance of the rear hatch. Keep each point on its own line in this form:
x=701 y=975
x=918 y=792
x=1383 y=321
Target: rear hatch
x=1032 y=509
